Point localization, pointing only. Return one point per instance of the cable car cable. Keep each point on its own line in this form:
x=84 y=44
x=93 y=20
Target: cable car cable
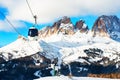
x=30 y=8
x=9 y=22
x=34 y=16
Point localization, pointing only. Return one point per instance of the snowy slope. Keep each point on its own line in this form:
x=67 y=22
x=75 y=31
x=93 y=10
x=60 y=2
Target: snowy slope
x=73 y=78
x=72 y=46
x=20 y=48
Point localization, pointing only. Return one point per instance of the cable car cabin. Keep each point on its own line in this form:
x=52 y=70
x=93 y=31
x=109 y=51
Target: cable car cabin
x=33 y=33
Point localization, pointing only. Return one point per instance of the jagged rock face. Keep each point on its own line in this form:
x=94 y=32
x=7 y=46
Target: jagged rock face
x=80 y=25
x=61 y=26
x=49 y=30
x=107 y=26
x=56 y=25
x=66 y=26
x=43 y=32
x=65 y=20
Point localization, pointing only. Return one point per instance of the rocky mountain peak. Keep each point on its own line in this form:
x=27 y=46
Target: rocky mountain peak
x=107 y=26
x=99 y=27
x=80 y=25
x=64 y=26
x=65 y=20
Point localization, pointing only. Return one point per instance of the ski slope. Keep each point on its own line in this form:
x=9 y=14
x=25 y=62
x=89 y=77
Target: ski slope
x=73 y=78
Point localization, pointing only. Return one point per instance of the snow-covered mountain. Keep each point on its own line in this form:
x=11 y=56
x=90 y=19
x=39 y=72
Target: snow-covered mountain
x=63 y=26
x=107 y=26
x=64 y=47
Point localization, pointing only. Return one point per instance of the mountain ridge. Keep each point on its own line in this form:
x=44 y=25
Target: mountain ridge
x=64 y=26
x=105 y=26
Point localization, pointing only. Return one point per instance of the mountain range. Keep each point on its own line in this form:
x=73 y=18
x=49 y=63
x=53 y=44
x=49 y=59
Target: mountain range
x=66 y=49
x=106 y=26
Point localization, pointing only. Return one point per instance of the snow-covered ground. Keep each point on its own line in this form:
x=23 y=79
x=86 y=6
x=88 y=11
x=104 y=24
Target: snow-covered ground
x=20 y=48
x=73 y=78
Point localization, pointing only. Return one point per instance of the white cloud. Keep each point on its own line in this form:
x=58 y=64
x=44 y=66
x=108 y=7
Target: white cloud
x=49 y=10
x=5 y=26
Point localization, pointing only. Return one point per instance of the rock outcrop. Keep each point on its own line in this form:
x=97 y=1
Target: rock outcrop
x=80 y=25
x=63 y=26
x=107 y=26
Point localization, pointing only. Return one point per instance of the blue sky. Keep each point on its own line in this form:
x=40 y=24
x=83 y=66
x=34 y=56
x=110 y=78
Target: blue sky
x=49 y=11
